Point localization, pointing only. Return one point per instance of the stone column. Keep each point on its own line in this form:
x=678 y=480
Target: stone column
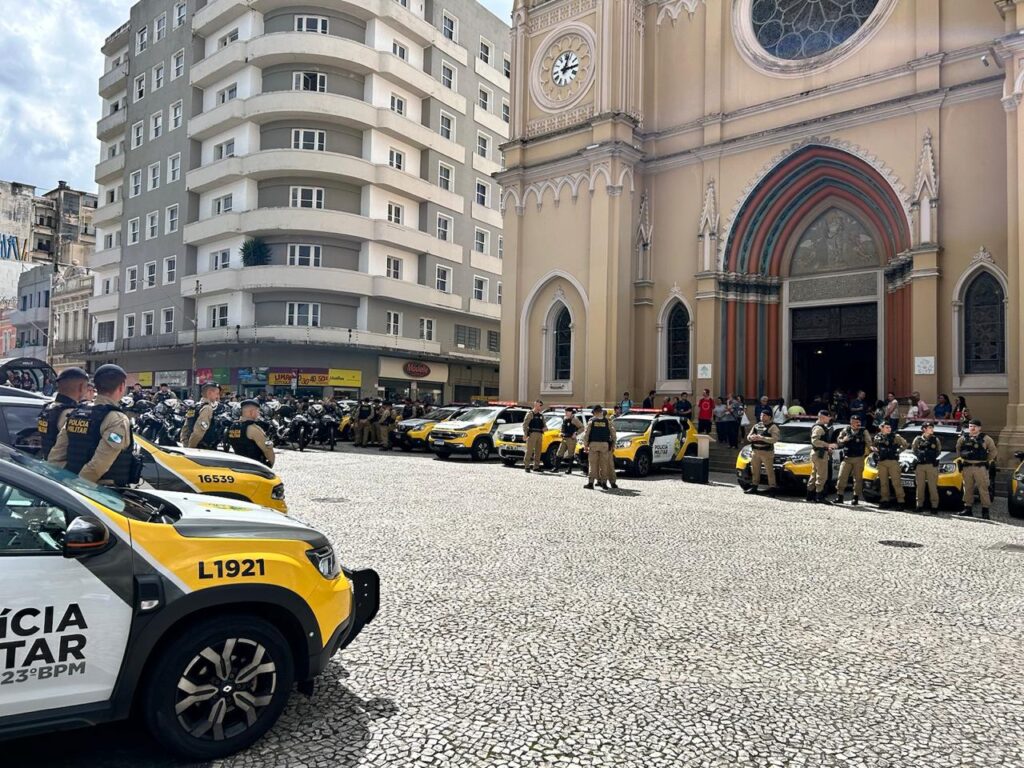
x=708 y=336
x=924 y=342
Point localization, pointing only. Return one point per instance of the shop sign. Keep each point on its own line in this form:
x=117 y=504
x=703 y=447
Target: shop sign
x=279 y=378
x=308 y=379
x=252 y=375
x=416 y=370
x=171 y=378
x=339 y=377
x=411 y=370
x=146 y=378
x=222 y=375
x=204 y=375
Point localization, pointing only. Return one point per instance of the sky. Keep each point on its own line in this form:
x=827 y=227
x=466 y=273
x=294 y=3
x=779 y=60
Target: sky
x=48 y=80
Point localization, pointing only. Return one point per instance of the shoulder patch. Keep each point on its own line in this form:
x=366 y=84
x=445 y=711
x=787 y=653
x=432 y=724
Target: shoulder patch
x=115 y=438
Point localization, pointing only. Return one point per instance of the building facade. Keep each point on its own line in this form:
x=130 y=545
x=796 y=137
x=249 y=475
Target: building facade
x=301 y=195
x=765 y=198
x=31 y=317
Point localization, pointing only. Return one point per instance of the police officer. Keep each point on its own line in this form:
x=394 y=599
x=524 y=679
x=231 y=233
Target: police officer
x=370 y=434
x=571 y=427
x=196 y=432
x=533 y=432
x=385 y=420
x=821 y=447
x=361 y=419
x=853 y=441
x=926 y=448
x=96 y=441
x=762 y=439
x=977 y=454
x=886 y=446
x=72 y=384
x=164 y=393
x=247 y=438
x=598 y=441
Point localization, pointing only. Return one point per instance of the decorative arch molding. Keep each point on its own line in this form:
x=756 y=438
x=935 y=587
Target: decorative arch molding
x=665 y=384
x=982 y=262
x=574 y=183
x=524 y=322
x=673 y=9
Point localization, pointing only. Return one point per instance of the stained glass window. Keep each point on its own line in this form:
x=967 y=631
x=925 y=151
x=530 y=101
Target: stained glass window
x=678 y=339
x=984 y=326
x=563 y=346
x=802 y=29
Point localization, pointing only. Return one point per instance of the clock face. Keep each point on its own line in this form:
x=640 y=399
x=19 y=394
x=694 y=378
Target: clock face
x=565 y=68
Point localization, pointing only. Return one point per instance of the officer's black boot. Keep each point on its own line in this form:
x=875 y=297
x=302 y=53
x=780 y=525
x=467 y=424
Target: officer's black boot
x=557 y=465
x=821 y=498
x=968 y=512
x=751 y=490
x=568 y=468
x=589 y=486
x=840 y=498
x=855 y=501
x=811 y=495
x=984 y=513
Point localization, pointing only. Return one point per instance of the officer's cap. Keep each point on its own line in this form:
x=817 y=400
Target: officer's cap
x=824 y=413
x=975 y=422
x=854 y=418
x=598 y=409
x=72 y=373
x=255 y=403
x=209 y=385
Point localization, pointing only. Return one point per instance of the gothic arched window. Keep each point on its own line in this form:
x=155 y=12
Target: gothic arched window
x=984 y=326
x=677 y=337
x=562 y=368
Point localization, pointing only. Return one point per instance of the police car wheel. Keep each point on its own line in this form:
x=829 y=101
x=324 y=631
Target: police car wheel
x=481 y=450
x=642 y=464
x=551 y=456
x=219 y=688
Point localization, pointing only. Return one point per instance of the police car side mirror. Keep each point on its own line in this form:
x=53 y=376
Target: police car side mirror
x=85 y=536
x=501 y=421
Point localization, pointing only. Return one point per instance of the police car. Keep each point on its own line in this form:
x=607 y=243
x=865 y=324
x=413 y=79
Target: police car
x=951 y=481
x=792 y=456
x=199 y=614
x=472 y=432
x=410 y=434
x=648 y=439
x=511 y=443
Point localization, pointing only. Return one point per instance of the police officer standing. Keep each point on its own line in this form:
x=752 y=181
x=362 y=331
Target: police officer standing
x=385 y=418
x=977 y=453
x=571 y=427
x=370 y=435
x=821 y=447
x=598 y=441
x=886 y=446
x=853 y=441
x=199 y=419
x=762 y=438
x=926 y=448
x=72 y=384
x=247 y=438
x=362 y=422
x=533 y=432
x=96 y=441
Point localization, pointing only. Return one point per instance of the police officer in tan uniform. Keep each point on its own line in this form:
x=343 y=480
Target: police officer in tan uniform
x=571 y=428
x=927 y=449
x=247 y=438
x=598 y=442
x=385 y=420
x=198 y=422
x=71 y=390
x=977 y=454
x=361 y=419
x=821 y=449
x=534 y=425
x=886 y=446
x=96 y=441
x=762 y=439
x=853 y=441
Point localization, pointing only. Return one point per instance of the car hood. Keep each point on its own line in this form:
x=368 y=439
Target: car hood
x=415 y=423
x=458 y=425
x=208 y=458
x=624 y=435
x=908 y=459
x=788 y=449
x=213 y=517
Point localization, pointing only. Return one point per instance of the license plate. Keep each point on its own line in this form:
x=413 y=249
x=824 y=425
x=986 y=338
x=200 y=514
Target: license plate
x=907 y=482
x=439 y=442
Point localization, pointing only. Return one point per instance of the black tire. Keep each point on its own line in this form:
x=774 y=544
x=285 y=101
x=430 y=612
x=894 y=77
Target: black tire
x=253 y=640
x=481 y=450
x=641 y=466
x=404 y=445
x=508 y=461
x=551 y=455
x=444 y=455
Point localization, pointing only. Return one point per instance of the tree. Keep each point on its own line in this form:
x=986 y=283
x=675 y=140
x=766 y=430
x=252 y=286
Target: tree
x=255 y=252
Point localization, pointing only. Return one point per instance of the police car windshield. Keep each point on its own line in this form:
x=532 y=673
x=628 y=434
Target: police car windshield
x=478 y=415
x=627 y=424
x=90 y=490
x=946 y=439
x=795 y=433
x=440 y=413
x=554 y=422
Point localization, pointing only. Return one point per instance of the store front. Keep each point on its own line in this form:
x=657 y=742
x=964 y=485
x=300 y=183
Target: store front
x=317 y=383
x=401 y=378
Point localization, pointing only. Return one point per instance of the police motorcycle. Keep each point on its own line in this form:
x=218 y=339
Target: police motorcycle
x=324 y=426
x=299 y=431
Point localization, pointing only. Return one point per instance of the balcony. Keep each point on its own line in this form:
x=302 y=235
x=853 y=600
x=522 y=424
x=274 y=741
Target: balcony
x=491 y=121
x=306 y=335
x=110 y=169
x=37 y=351
x=216 y=14
x=481 y=261
x=113 y=81
x=37 y=317
x=75 y=347
x=269 y=221
x=117 y=39
x=64 y=288
x=485 y=309
x=108 y=302
x=104 y=258
x=485 y=165
x=112 y=125
x=107 y=213
x=487 y=215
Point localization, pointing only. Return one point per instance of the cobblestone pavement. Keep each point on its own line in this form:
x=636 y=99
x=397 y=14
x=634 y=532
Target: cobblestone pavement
x=527 y=622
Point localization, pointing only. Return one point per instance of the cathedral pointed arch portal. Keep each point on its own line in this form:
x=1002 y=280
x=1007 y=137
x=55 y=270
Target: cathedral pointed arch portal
x=818 y=251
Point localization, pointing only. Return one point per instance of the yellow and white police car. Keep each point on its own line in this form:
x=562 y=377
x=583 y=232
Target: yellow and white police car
x=472 y=432
x=197 y=613
x=792 y=456
x=410 y=434
x=511 y=443
x=647 y=439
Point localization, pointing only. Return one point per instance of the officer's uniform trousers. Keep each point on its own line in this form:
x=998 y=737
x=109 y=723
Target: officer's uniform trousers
x=889 y=474
x=976 y=476
x=602 y=468
x=926 y=477
x=852 y=465
x=760 y=457
x=567 y=448
x=533 y=443
x=819 y=473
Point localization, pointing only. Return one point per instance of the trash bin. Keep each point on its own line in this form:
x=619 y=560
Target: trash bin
x=696 y=469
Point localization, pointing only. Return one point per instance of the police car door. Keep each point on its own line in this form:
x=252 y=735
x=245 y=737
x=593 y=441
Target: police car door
x=64 y=621
x=663 y=440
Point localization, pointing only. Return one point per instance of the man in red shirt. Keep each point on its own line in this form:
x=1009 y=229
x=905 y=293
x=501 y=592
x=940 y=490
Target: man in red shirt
x=705 y=412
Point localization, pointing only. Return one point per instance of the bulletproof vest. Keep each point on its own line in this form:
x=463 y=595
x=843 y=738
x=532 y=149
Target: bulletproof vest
x=927 y=450
x=48 y=424
x=826 y=434
x=242 y=444
x=973 y=448
x=536 y=422
x=600 y=431
x=887 y=448
x=375 y=415
x=407 y=412
x=84 y=436
x=364 y=412
x=855 y=443
x=213 y=432
x=568 y=428
x=760 y=430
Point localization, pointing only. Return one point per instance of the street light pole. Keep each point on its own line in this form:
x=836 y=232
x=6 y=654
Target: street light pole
x=195 y=339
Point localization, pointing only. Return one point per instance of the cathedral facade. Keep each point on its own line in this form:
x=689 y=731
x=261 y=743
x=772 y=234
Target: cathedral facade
x=765 y=197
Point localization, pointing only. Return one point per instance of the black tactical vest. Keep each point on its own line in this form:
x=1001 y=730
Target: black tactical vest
x=826 y=435
x=568 y=428
x=927 y=450
x=213 y=432
x=599 y=430
x=973 y=448
x=760 y=430
x=242 y=444
x=49 y=420
x=84 y=436
x=887 y=448
x=536 y=422
x=855 y=443
x=364 y=412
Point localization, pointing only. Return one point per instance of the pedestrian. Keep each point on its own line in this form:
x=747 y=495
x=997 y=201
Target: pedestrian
x=625 y=405
x=840 y=406
x=617 y=412
x=853 y=442
x=943 y=408
x=705 y=412
x=892 y=411
x=684 y=410
x=961 y=412
x=721 y=413
x=977 y=453
x=533 y=431
x=667 y=405
x=762 y=406
x=598 y=441
x=780 y=415
x=762 y=439
x=571 y=428
x=247 y=438
x=887 y=446
x=71 y=390
x=859 y=406
x=795 y=409
x=739 y=419
x=821 y=449
x=927 y=448
x=924 y=410
x=649 y=400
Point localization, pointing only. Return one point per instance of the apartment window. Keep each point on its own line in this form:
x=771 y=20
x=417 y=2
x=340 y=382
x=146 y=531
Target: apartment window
x=449 y=27
x=395 y=213
x=480 y=288
x=443 y=279
x=131 y=279
x=483 y=145
x=105 y=332
x=393 y=323
x=485 y=51
x=506 y=66
x=467 y=337
x=484 y=99
x=154 y=176
x=397 y=104
x=180 y=11
x=426 y=329
x=300 y=255
x=222 y=204
x=501 y=248
x=171 y=270
x=167 y=320
x=227 y=94
x=108 y=241
x=497 y=293
x=224 y=149
x=158 y=76
x=307 y=197
x=444 y=227
x=160 y=28
x=152 y=225
x=141 y=40
x=220 y=260
x=178 y=64
x=481 y=241
x=219 y=316
x=156 y=125
x=403 y=3
x=176 y=112
x=399 y=50
x=493 y=341
x=445 y=174
x=140 y=87
x=312 y=24
x=135 y=183
x=306 y=138
x=506 y=111
x=108 y=286
x=129 y=326
x=309 y=81
x=483 y=193
x=303 y=313
x=394 y=268
x=448 y=75
x=171 y=224
x=447 y=128
x=225 y=40
x=396 y=159
x=138 y=134
x=133 y=231
x=173 y=168
x=148 y=322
